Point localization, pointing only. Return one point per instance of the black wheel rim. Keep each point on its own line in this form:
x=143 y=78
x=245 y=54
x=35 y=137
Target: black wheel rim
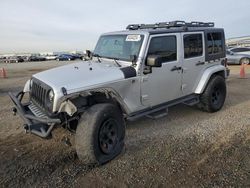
x=108 y=136
x=216 y=96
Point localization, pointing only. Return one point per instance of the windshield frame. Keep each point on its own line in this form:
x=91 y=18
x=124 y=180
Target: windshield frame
x=117 y=58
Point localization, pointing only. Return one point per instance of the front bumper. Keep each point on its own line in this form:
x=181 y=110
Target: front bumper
x=35 y=121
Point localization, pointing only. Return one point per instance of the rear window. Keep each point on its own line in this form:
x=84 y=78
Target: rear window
x=215 y=43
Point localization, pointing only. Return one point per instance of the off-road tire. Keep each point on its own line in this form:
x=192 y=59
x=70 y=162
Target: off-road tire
x=213 y=98
x=90 y=134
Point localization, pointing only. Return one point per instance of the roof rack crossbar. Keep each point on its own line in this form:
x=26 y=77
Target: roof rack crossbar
x=168 y=25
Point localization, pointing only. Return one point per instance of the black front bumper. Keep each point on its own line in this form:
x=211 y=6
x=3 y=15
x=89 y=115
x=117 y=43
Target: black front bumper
x=40 y=126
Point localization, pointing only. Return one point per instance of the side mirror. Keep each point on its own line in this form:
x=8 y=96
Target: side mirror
x=88 y=53
x=154 y=61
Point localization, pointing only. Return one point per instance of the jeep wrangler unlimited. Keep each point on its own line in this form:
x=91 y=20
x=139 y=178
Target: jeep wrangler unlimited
x=138 y=72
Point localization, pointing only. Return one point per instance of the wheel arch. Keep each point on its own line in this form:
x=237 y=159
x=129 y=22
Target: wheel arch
x=242 y=59
x=208 y=73
x=90 y=98
x=108 y=96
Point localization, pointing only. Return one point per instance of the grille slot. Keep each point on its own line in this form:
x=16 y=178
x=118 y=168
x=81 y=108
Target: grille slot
x=38 y=94
x=35 y=110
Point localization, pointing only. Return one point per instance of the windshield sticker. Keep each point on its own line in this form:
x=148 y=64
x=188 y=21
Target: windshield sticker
x=133 y=38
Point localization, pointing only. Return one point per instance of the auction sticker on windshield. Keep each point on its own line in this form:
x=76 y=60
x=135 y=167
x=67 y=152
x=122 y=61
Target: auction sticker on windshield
x=133 y=38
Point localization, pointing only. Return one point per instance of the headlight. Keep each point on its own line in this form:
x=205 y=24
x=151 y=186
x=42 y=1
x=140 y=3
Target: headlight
x=31 y=83
x=51 y=95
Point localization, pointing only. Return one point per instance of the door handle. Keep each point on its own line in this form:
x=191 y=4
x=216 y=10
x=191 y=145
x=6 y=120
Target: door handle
x=175 y=68
x=200 y=63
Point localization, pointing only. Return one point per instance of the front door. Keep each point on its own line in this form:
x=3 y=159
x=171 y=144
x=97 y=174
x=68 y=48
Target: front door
x=163 y=84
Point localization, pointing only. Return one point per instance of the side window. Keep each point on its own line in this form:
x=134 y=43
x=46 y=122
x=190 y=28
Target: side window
x=165 y=46
x=214 y=41
x=245 y=50
x=193 y=46
x=235 y=50
x=240 y=49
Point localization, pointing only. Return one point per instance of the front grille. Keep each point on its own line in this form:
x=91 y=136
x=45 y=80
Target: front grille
x=38 y=93
x=36 y=111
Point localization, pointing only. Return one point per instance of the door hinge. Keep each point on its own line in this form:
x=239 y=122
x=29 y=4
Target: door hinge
x=145 y=79
x=183 y=86
x=144 y=98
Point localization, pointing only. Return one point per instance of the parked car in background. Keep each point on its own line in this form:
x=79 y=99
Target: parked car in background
x=51 y=57
x=237 y=58
x=14 y=59
x=67 y=57
x=36 y=58
x=240 y=50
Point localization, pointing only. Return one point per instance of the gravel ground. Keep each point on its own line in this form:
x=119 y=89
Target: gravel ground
x=187 y=148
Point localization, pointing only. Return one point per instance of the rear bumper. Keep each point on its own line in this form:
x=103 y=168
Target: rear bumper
x=40 y=126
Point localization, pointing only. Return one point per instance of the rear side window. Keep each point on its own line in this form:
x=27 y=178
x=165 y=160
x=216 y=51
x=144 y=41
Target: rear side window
x=214 y=42
x=193 y=46
x=165 y=46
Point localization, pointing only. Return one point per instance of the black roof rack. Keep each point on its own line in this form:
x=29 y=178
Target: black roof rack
x=168 y=25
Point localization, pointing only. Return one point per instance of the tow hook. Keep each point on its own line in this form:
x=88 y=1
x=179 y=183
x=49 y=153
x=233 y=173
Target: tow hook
x=14 y=111
x=26 y=128
x=65 y=140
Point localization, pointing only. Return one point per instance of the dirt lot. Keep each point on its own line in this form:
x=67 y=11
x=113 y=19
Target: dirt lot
x=188 y=148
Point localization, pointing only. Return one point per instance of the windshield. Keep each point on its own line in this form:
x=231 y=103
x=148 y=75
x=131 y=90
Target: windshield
x=118 y=46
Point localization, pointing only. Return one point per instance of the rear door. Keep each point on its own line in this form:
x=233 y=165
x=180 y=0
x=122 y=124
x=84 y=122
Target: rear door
x=193 y=60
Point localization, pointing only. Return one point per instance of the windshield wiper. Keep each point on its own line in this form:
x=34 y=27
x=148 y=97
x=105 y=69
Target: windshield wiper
x=118 y=64
x=115 y=60
x=98 y=57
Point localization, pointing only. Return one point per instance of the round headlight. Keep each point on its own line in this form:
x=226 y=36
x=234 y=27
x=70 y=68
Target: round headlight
x=31 y=83
x=51 y=95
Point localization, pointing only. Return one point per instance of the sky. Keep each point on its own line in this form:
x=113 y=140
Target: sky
x=57 y=25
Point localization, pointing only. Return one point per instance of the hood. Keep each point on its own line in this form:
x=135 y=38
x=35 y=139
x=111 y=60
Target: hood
x=83 y=75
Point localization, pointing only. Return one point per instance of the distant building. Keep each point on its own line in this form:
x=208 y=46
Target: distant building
x=46 y=53
x=77 y=52
x=239 y=42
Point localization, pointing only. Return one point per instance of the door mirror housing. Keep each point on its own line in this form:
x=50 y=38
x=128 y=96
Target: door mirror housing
x=88 y=54
x=154 y=61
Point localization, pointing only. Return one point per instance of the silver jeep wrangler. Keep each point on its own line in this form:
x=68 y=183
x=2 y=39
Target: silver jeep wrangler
x=138 y=72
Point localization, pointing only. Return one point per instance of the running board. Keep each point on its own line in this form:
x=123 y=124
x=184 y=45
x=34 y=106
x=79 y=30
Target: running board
x=158 y=114
x=192 y=102
x=188 y=100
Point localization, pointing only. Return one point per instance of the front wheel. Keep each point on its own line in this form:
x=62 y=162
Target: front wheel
x=213 y=98
x=100 y=134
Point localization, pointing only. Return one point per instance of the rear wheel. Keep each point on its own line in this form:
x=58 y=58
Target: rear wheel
x=244 y=60
x=100 y=134
x=213 y=98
